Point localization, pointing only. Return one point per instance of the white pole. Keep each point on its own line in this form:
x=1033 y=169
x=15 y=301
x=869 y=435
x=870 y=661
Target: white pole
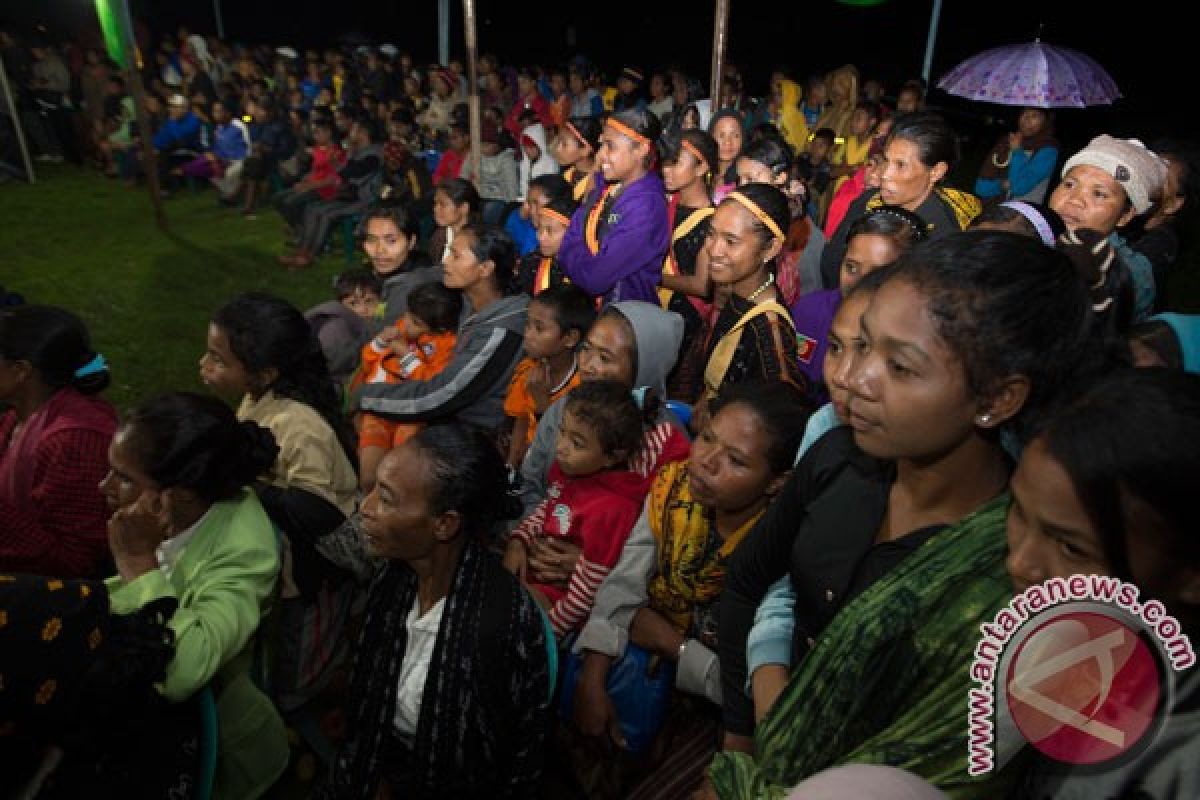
x=934 y=18
x=444 y=32
x=220 y=23
x=16 y=121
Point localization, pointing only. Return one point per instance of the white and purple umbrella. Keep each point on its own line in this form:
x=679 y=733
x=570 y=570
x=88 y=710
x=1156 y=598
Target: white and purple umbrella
x=1032 y=75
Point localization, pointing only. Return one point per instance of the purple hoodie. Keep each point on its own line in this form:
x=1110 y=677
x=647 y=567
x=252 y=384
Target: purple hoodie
x=632 y=245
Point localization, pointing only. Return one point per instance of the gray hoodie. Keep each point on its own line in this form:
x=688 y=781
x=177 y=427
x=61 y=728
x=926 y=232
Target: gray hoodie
x=659 y=335
x=472 y=387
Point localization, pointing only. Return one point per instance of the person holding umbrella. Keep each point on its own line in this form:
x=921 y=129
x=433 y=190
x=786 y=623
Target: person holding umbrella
x=1021 y=164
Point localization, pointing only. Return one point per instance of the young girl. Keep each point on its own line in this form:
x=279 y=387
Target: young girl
x=726 y=129
x=689 y=161
x=540 y=269
x=455 y=204
x=874 y=241
x=558 y=318
x=262 y=349
x=615 y=245
x=416 y=348
x=390 y=232
x=575 y=150
x=593 y=500
x=850 y=156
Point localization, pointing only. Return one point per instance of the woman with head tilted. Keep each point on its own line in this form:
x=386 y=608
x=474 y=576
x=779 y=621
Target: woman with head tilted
x=753 y=335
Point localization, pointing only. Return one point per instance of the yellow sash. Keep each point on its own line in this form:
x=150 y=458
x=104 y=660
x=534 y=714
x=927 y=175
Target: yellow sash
x=670 y=267
x=722 y=354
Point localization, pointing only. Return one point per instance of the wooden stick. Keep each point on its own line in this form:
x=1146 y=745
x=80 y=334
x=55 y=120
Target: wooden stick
x=720 y=37
x=134 y=78
x=473 y=108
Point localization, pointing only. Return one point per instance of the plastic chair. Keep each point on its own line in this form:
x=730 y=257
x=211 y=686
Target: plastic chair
x=682 y=411
x=208 y=744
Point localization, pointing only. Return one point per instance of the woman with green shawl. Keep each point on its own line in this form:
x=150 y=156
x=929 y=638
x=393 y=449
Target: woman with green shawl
x=892 y=528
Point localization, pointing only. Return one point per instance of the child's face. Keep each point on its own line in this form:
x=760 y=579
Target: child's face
x=691 y=119
x=567 y=149
x=532 y=151
x=751 y=171
x=685 y=171
x=576 y=83
x=489 y=148
x=414 y=327
x=362 y=302
x=818 y=150
x=386 y=245
x=860 y=122
x=907 y=101
x=865 y=253
x=620 y=158
x=220 y=369
x=558 y=84
x=397 y=131
x=535 y=198
x=544 y=337
x=839 y=355
x=550 y=232
x=445 y=213
x=578 y=450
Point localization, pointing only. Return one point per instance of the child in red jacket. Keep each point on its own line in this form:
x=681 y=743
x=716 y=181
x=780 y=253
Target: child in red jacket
x=594 y=498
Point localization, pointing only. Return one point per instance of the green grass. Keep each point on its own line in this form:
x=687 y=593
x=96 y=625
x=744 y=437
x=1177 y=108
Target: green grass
x=90 y=244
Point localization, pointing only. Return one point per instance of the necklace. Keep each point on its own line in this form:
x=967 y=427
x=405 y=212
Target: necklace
x=566 y=378
x=767 y=284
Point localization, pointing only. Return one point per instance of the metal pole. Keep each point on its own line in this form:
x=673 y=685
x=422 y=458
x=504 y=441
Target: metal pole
x=473 y=88
x=134 y=78
x=444 y=32
x=220 y=23
x=934 y=18
x=720 y=35
x=16 y=121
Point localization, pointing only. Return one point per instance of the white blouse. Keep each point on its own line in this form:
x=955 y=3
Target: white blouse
x=418 y=652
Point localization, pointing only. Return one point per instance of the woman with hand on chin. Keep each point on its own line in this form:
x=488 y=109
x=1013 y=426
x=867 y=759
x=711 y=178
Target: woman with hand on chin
x=186 y=525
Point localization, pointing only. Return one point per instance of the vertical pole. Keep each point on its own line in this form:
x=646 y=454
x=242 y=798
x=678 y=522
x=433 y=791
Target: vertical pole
x=134 y=78
x=444 y=32
x=220 y=22
x=934 y=18
x=473 y=88
x=720 y=35
x=16 y=121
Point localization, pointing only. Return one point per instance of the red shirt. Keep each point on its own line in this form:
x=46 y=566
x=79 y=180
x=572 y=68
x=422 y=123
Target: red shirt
x=449 y=166
x=54 y=520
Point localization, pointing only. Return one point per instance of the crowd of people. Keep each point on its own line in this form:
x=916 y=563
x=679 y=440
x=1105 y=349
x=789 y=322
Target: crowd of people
x=678 y=452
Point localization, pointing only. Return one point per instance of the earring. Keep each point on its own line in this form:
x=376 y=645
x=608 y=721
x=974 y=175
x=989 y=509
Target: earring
x=984 y=419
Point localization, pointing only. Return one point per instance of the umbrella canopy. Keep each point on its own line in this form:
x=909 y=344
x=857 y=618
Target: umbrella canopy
x=1033 y=74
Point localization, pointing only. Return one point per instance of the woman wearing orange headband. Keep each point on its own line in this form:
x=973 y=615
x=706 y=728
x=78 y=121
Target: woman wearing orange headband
x=753 y=337
x=575 y=151
x=616 y=243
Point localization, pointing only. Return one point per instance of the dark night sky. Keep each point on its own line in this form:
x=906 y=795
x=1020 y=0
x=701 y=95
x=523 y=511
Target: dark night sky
x=1136 y=46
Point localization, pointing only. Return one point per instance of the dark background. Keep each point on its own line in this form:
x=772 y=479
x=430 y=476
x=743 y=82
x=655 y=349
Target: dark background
x=1142 y=45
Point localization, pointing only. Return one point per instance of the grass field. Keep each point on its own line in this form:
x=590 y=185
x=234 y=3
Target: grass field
x=90 y=244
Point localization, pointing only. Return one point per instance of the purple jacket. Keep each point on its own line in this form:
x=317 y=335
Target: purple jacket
x=633 y=244
x=813 y=315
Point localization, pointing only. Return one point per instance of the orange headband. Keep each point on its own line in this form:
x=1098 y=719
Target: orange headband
x=753 y=208
x=552 y=214
x=577 y=134
x=691 y=148
x=622 y=128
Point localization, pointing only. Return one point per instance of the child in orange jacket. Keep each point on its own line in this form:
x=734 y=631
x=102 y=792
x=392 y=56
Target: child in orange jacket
x=417 y=347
